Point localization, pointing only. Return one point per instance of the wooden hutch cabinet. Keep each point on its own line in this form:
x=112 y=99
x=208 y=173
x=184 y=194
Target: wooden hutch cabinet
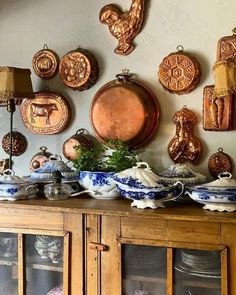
x=110 y=248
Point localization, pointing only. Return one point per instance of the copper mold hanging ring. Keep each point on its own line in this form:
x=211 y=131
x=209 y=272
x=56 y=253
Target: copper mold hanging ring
x=179 y=72
x=79 y=69
x=45 y=63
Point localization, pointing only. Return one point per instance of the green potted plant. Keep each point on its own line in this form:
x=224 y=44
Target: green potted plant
x=97 y=166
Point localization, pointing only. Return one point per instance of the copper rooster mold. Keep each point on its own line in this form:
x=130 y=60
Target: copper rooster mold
x=124 y=25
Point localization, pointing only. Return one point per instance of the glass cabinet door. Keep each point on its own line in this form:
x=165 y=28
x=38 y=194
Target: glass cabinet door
x=197 y=272
x=144 y=270
x=43 y=256
x=8 y=264
x=34 y=264
x=159 y=270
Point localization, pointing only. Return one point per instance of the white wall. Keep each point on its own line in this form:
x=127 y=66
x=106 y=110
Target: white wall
x=25 y=25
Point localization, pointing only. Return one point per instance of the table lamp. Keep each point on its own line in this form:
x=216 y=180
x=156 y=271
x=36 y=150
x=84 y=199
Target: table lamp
x=15 y=85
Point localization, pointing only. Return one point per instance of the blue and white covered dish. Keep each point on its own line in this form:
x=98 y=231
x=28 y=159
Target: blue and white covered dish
x=144 y=187
x=44 y=174
x=218 y=195
x=13 y=187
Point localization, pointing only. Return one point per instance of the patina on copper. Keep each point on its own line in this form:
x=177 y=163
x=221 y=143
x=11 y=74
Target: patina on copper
x=217 y=111
x=185 y=146
x=124 y=25
x=45 y=63
x=48 y=113
x=39 y=159
x=78 y=69
x=81 y=140
x=219 y=162
x=124 y=109
x=226 y=47
x=179 y=72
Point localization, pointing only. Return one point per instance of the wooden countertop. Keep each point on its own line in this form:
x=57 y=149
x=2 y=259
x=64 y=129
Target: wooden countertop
x=121 y=207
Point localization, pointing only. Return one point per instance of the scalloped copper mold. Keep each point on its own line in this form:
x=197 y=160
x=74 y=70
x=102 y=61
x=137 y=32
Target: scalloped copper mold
x=179 y=72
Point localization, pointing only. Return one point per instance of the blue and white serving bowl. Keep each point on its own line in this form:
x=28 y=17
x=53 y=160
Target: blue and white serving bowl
x=99 y=185
x=218 y=195
x=144 y=187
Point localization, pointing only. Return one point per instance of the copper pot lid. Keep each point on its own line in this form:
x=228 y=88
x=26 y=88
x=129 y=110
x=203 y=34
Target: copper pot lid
x=47 y=113
x=45 y=63
x=179 y=72
x=78 y=69
x=124 y=109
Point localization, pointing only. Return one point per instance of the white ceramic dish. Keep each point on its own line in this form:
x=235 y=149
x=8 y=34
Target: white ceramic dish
x=99 y=185
x=144 y=187
x=218 y=195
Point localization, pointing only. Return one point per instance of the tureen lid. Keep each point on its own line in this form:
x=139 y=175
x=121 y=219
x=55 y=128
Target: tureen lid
x=141 y=174
x=182 y=172
x=10 y=177
x=225 y=180
x=55 y=163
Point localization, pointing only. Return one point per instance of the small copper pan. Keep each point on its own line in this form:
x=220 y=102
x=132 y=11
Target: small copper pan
x=124 y=109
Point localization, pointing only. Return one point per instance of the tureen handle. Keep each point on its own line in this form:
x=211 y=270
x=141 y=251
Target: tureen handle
x=225 y=175
x=140 y=164
x=8 y=172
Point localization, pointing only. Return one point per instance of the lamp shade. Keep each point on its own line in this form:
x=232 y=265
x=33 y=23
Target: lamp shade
x=15 y=83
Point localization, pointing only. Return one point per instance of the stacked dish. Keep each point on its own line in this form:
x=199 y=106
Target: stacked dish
x=219 y=195
x=144 y=187
x=199 y=263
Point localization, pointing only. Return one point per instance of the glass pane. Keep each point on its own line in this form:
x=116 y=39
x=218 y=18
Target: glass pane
x=143 y=270
x=8 y=264
x=197 y=272
x=44 y=264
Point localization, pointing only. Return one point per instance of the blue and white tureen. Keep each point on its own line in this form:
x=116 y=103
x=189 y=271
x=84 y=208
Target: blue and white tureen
x=144 y=187
x=218 y=195
x=13 y=187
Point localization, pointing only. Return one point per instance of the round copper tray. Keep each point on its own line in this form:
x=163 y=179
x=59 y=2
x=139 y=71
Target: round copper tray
x=78 y=69
x=45 y=63
x=124 y=109
x=48 y=113
x=179 y=72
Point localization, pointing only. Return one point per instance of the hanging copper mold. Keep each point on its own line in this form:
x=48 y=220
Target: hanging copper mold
x=19 y=143
x=179 y=72
x=81 y=139
x=79 y=69
x=45 y=63
x=39 y=159
x=185 y=146
x=124 y=25
x=226 y=47
x=217 y=111
x=219 y=162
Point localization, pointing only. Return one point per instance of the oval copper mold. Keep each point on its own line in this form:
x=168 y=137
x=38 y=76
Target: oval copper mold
x=48 y=113
x=124 y=109
x=179 y=72
x=45 y=63
x=78 y=69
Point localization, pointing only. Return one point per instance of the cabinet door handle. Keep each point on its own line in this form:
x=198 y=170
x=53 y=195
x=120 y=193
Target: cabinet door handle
x=97 y=246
